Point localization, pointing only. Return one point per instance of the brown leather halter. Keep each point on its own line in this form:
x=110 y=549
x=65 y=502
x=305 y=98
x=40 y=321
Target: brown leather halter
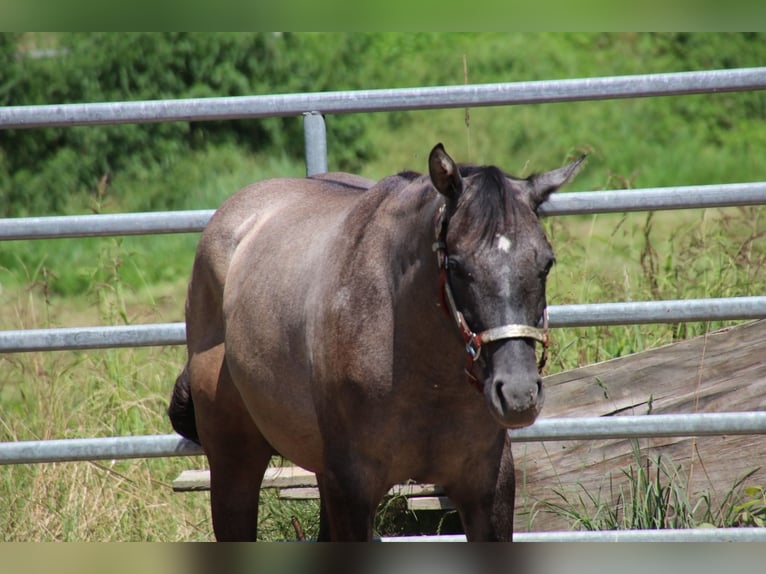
x=475 y=341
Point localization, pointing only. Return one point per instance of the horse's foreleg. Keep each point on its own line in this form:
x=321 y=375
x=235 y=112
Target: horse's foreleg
x=348 y=504
x=486 y=499
x=504 y=500
x=324 y=523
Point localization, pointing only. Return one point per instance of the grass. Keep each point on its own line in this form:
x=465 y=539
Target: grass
x=652 y=494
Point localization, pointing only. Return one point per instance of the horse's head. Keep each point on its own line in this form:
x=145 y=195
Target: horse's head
x=494 y=260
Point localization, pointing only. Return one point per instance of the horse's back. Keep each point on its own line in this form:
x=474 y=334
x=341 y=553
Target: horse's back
x=239 y=215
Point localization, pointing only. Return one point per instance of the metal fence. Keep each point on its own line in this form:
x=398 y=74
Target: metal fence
x=313 y=107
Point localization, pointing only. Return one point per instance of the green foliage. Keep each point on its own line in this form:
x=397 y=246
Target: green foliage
x=752 y=510
x=44 y=168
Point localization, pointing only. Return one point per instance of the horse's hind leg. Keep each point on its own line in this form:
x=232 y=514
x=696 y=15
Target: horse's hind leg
x=236 y=450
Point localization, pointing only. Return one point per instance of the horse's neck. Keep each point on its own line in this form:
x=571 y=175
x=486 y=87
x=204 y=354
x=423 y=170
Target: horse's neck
x=430 y=334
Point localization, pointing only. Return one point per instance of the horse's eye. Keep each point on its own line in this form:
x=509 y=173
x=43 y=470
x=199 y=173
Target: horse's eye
x=458 y=268
x=548 y=266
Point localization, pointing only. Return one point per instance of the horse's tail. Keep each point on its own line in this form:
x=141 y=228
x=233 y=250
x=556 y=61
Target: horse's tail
x=181 y=408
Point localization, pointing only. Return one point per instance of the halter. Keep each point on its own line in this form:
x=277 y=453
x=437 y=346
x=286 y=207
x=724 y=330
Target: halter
x=475 y=341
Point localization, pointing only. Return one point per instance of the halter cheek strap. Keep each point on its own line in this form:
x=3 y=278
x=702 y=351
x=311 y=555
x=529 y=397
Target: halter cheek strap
x=475 y=341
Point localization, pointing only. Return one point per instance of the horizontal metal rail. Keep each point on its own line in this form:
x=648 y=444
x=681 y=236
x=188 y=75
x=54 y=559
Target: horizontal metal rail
x=107 y=448
x=592 y=428
x=79 y=338
x=581 y=202
x=584 y=315
x=573 y=428
x=104 y=225
x=477 y=95
x=647 y=312
x=655 y=199
x=665 y=535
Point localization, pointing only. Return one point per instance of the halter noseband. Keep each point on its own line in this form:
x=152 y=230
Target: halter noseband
x=474 y=341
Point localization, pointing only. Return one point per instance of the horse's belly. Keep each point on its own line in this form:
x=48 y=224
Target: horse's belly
x=288 y=425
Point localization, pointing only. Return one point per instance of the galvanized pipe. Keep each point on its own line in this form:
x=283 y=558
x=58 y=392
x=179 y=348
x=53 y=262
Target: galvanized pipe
x=78 y=338
x=315 y=136
x=109 y=448
x=585 y=202
x=666 y=535
x=228 y=108
x=388 y=100
x=585 y=315
x=573 y=428
x=645 y=312
x=655 y=199
x=104 y=225
x=619 y=427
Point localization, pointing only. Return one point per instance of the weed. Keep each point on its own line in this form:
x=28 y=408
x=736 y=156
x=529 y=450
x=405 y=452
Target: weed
x=752 y=510
x=652 y=494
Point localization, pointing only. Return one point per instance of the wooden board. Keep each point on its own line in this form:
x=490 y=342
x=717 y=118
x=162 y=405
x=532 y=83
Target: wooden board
x=275 y=477
x=295 y=483
x=300 y=493
x=430 y=503
x=192 y=481
x=723 y=371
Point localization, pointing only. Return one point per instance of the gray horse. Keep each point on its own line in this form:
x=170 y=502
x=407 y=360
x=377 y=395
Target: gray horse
x=347 y=325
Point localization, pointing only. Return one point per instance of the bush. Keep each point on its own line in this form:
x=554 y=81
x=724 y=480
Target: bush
x=43 y=168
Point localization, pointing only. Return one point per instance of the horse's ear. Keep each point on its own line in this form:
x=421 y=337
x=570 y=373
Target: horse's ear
x=444 y=173
x=541 y=185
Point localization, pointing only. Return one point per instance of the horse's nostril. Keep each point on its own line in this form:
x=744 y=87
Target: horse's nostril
x=502 y=401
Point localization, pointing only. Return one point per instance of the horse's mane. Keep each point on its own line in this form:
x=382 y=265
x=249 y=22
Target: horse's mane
x=487 y=199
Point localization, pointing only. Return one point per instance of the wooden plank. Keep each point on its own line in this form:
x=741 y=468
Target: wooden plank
x=282 y=476
x=299 y=493
x=429 y=503
x=408 y=490
x=723 y=371
x=192 y=481
x=414 y=489
x=275 y=477
x=294 y=483
x=287 y=477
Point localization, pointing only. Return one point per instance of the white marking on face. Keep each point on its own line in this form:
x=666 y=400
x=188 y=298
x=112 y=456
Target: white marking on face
x=503 y=244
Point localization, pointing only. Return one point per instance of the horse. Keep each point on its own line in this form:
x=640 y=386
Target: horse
x=371 y=333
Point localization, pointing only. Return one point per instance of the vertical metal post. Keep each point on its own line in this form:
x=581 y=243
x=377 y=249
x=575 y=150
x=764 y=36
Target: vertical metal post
x=315 y=136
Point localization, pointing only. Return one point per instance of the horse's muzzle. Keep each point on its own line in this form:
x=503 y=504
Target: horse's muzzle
x=515 y=403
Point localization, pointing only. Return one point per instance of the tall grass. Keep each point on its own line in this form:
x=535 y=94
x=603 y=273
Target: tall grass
x=652 y=494
x=120 y=393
